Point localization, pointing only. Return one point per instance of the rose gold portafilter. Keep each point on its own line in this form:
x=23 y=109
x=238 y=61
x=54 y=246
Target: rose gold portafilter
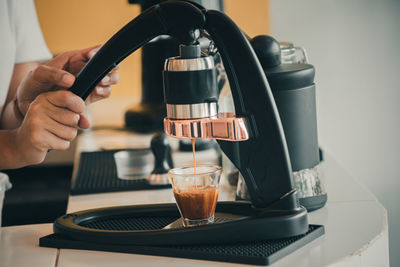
x=224 y=126
x=191 y=94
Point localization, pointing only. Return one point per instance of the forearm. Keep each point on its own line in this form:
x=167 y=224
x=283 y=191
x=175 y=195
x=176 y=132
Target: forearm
x=10 y=156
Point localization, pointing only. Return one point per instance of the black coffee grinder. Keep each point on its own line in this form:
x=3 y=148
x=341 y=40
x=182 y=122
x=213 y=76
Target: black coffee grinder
x=253 y=138
x=294 y=93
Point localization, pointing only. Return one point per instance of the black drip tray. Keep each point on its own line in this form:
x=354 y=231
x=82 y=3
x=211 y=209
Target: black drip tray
x=97 y=173
x=240 y=232
x=257 y=253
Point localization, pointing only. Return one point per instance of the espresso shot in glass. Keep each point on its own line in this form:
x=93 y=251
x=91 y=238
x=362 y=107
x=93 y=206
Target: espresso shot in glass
x=196 y=192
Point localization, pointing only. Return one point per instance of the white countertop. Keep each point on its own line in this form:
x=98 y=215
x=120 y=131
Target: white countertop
x=355 y=225
x=19 y=246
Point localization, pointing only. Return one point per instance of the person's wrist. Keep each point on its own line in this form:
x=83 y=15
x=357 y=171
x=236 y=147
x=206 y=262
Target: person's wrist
x=16 y=148
x=26 y=151
x=17 y=111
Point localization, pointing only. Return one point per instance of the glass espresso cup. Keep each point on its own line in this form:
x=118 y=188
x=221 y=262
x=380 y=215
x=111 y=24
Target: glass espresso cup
x=196 y=192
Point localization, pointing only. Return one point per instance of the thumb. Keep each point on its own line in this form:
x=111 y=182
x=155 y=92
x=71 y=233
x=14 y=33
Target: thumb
x=60 y=61
x=41 y=80
x=45 y=76
x=84 y=122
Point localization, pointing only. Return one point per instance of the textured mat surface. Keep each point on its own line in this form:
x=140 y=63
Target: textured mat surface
x=257 y=253
x=130 y=223
x=97 y=173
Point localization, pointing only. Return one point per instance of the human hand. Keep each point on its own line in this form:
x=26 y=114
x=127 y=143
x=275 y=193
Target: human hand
x=51 y=122
x=74 y=61
x=59 y=73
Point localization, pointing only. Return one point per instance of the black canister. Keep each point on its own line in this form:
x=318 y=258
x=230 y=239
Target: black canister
x=293 y=88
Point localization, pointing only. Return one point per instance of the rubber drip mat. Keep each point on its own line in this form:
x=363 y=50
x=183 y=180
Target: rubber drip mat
x=256 y=253
x=97 y=173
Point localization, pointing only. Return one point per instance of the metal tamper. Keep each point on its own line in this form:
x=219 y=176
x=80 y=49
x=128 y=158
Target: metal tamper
x=162 y=160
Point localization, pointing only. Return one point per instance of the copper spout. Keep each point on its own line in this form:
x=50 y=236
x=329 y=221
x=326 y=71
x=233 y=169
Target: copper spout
x=225 y=126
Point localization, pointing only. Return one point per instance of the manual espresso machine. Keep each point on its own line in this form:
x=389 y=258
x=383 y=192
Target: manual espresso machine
x=252 y=137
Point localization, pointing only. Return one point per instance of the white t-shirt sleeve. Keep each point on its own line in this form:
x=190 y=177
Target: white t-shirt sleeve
x=29 y=42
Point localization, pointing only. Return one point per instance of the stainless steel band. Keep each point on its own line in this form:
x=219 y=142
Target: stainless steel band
x=192 y=64
x=192 y=111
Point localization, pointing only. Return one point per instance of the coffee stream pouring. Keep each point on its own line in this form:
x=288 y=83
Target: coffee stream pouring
x=252 y=138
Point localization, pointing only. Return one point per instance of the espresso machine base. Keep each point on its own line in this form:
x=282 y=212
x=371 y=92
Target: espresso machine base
x=240 y=234
x=236 y=221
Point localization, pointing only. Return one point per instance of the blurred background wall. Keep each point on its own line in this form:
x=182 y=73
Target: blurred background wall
x=354 y=46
